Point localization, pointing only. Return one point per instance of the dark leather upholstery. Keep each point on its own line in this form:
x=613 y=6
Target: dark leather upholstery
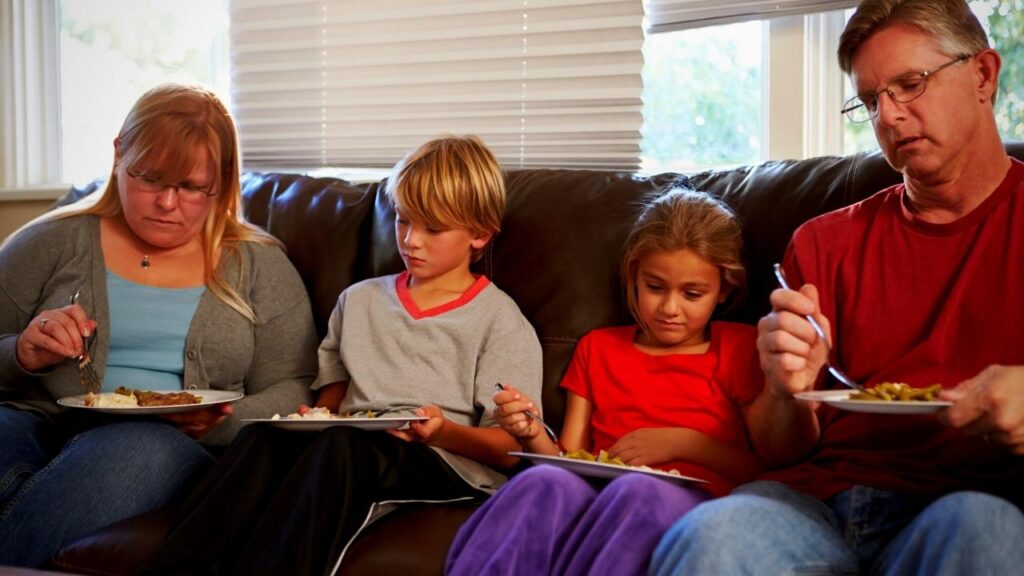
x=557 y=256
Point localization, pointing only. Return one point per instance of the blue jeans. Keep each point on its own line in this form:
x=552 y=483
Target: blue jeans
x=767 y=528
x=55 y=492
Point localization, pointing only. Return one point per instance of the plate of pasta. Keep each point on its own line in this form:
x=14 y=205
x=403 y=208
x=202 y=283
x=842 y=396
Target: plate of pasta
x=600 y=466
x=320 y=418
x=884 y=398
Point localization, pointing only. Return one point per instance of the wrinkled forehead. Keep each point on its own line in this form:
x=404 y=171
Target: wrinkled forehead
x=891 y=52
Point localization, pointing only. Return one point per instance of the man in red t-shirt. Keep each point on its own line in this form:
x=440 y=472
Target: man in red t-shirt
x=921 y=283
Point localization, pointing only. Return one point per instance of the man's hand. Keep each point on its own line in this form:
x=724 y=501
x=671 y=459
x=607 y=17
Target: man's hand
x=198 y=422
x=990 y=405
x=423 y=431
x=790 y=351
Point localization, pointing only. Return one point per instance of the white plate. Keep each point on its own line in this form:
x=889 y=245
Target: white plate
x=379 y=423
x=209 y=398
x=600 y=469
x=840 y=399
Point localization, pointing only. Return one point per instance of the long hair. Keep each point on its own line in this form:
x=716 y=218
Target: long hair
x=685 y=219
x=164 y=129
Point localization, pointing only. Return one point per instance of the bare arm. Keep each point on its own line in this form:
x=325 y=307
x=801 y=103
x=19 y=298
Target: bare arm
x=783 y=429
x=488 y=446
x=331 y=395
x=653 y=446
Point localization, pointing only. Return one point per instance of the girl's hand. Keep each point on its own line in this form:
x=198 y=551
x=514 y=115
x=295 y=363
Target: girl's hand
x=198 y=422
x=510 y=412
x=649 y=446
x=53 y=336
x=423 y=431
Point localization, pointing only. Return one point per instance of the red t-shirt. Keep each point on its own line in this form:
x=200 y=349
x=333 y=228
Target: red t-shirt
x=920 y=303
x=631 y=389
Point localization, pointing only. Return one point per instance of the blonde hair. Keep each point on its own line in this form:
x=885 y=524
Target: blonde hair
x=450 y=182
x=950 y=22
x=163 y=130
x=684 y=219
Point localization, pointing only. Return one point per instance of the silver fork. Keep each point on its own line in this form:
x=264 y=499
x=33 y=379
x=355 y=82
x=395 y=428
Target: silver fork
x=835 y=372
x=547 y=429
x=87 y=375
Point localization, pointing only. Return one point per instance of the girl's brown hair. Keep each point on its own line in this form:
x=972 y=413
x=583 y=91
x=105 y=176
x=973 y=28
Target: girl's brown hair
x=685 y=219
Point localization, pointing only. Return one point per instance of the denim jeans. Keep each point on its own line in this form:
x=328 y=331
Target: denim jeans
x=55 y=492
x=767 y=528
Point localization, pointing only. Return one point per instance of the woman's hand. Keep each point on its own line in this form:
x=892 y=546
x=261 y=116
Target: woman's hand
x=511 y=413
x=423 y=431
x=53 y=336
x=198 y=422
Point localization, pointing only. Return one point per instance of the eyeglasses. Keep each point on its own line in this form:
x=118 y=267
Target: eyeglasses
x=187 y=192
x=903 y=89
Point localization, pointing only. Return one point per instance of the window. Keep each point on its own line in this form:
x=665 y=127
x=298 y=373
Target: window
x=111 y=51
x=1003 y=20
x=702 y=98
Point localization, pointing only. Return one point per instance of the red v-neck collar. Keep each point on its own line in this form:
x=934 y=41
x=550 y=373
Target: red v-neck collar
x=402 y=287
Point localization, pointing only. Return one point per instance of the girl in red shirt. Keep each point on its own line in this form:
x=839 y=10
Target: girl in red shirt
x=668 y=392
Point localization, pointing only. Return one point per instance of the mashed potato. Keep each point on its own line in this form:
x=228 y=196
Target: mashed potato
x=111 y=400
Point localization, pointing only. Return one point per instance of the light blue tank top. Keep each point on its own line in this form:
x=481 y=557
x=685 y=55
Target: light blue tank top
x=148 y=326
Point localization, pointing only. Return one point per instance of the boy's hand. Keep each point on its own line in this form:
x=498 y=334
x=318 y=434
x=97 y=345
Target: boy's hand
x=510 y=412
x=423 y=431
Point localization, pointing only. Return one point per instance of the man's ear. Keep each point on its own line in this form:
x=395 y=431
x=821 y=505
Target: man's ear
x=988 y=64
x=480 y=239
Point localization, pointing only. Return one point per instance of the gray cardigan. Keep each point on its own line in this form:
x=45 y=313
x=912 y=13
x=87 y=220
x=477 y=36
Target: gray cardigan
x=273 y=361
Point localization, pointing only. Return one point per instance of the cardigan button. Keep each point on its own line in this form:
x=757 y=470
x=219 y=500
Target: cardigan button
x=191 y=355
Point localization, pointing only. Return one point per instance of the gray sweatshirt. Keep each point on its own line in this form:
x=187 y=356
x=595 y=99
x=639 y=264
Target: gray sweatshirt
x=273 y=361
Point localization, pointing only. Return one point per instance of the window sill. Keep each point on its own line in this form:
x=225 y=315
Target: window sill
x=29 y=193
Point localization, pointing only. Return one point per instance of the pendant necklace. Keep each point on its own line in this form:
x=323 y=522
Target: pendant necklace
x=145 y=262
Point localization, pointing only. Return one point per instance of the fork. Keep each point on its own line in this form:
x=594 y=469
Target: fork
x=835 y=372
x=86 y=371
x=536 y=418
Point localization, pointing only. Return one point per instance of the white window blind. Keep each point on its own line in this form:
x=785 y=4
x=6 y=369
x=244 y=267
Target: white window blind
x=545 y=83
x=669 y=15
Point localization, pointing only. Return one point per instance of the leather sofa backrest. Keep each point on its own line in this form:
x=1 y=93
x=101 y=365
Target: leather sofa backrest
x=562 y=237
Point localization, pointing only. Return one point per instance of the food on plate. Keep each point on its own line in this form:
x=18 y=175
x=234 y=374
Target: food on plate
x=898 y=391
x=321 y=413
x=129 y=398
x=603 y=458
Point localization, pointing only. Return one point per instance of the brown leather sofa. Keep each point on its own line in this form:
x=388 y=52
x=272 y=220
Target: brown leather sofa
x=557 y=256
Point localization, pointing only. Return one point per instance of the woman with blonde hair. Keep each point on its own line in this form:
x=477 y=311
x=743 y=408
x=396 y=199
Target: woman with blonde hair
x=161 y=283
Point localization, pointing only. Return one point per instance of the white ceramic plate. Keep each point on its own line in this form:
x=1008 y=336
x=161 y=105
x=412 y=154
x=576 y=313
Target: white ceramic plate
x=840 y=399
x=600 y=469
x=209 y=398
x=378 y=423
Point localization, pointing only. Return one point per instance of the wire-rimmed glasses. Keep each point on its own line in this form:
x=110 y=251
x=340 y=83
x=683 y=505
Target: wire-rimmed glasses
x=902 y=89
x=185 y=190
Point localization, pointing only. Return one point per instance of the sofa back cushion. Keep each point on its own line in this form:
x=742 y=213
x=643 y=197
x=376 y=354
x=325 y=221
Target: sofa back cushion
x=562 y=237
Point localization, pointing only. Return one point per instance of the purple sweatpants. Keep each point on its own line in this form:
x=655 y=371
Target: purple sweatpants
x=547 y=520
